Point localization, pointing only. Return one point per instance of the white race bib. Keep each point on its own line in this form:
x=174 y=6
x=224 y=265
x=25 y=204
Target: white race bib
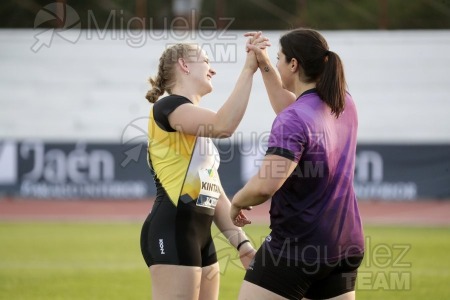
x=209 y=188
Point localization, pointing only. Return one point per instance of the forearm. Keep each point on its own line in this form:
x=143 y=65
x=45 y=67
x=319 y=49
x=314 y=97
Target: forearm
x=231 y=113
x=272 y=174
x=250 y=195
x=279 y=97
x=235 y=235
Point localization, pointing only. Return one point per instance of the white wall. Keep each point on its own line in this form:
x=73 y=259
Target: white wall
x=91 y=87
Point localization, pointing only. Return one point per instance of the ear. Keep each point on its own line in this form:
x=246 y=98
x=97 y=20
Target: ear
x=294 y=65
x=183 y=65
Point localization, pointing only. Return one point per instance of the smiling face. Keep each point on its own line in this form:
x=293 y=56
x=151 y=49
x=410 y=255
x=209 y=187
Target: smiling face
x=200 y=71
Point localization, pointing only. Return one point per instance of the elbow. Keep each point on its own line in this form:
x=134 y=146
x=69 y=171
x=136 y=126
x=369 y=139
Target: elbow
x=261 y=188
x=265 y=192
x=223 y=134
x=223 y=128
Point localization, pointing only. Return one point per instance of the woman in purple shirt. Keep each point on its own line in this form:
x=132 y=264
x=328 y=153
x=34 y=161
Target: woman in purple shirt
x=316 y=243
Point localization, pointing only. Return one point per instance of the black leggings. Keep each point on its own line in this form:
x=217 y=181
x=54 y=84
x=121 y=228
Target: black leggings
x=178 y=235
x=296 y=279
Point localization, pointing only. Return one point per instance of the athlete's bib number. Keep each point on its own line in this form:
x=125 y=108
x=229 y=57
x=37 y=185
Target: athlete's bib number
x=209 y=188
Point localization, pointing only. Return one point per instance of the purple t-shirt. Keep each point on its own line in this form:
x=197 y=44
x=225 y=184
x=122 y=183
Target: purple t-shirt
x=314 y=215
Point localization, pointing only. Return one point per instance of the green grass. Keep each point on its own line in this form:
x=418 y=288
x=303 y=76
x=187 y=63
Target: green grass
x=103 y=261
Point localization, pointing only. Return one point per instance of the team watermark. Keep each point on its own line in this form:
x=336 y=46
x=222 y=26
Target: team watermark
x=216 y=40
x=384 y=266
x=254 y=144
x=137 y=132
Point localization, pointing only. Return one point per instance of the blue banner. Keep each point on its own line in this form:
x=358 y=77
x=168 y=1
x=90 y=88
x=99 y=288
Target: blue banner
x=37 y=169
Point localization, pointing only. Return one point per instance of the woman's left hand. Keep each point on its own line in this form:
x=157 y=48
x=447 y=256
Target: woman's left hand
x=238 y=217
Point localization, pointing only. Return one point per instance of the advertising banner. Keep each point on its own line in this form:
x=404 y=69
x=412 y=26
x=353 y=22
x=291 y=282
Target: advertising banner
x=390 y=172
x=402 y=172
x=34 y=169
x=37 y=169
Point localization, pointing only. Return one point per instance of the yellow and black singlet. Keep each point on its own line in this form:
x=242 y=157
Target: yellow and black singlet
x=178 y=229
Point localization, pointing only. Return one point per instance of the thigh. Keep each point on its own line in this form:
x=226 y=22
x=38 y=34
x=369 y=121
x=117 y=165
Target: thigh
x=208 y=253
x=158 y=236
x=175 y=282
x=275 y=274
x=332 y=286
x=340 y=283
x=210 y=281
x=346 y=296
x=174 y=237
x=251 y=291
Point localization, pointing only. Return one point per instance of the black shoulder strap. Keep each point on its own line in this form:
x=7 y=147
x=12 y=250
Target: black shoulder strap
x=164 y=107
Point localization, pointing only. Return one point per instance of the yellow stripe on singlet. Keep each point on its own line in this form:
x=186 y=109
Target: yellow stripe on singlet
x=170 y=154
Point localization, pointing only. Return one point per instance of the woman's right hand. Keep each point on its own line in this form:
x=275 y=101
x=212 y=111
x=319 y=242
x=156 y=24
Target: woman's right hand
x=251 y=63
x=258 y=43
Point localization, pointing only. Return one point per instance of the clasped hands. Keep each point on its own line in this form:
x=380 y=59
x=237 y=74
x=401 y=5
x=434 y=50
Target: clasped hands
x=258 y=43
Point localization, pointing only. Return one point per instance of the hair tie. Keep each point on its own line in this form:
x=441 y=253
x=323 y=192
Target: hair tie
x=327 y=53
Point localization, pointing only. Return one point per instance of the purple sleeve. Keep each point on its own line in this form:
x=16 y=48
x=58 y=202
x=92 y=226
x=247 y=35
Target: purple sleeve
x=287 y=137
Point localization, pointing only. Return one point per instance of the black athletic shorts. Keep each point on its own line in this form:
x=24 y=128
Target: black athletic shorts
x=178 y=235
x=295 y=279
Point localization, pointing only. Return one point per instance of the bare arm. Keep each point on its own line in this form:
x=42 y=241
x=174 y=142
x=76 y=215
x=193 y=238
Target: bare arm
x=199 y=121
x=272 y=174
x=234 y=234
x=279 y=97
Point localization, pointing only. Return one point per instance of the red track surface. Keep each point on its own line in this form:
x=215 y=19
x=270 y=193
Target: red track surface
x=418 y=213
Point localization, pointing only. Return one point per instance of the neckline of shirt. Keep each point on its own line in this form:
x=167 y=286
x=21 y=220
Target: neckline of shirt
x=307 y=92
x=176 y=95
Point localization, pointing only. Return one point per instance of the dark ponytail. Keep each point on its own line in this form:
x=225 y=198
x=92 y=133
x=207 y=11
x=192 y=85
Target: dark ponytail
x=331 y=84
x=317 y=64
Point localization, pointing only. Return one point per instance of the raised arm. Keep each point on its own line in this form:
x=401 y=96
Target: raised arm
x=279 y=97
x=195 y=120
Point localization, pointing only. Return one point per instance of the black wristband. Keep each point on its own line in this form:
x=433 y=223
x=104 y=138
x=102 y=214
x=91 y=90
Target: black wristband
x=242 y=243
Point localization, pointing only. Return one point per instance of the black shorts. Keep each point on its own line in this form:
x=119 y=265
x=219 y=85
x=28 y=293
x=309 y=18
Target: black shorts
x=178 y=235
x=295 y=279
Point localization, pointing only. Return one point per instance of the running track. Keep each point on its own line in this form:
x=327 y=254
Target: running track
x=416 y=213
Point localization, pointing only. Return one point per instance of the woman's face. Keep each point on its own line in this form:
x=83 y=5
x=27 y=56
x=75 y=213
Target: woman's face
x=287 y=76
x=201 y=71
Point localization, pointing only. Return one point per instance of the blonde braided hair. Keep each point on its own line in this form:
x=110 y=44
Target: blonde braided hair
x=165 y=79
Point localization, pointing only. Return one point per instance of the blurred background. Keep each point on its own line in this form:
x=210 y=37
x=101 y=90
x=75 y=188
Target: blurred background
x=74 y=75
x=73 y=125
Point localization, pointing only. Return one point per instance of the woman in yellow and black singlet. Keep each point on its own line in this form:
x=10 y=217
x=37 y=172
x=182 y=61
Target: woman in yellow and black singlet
x=176 y=237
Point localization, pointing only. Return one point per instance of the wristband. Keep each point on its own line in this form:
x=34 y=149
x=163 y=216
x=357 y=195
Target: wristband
x=242 y=243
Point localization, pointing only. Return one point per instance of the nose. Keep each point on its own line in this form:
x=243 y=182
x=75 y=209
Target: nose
x=212 y=71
